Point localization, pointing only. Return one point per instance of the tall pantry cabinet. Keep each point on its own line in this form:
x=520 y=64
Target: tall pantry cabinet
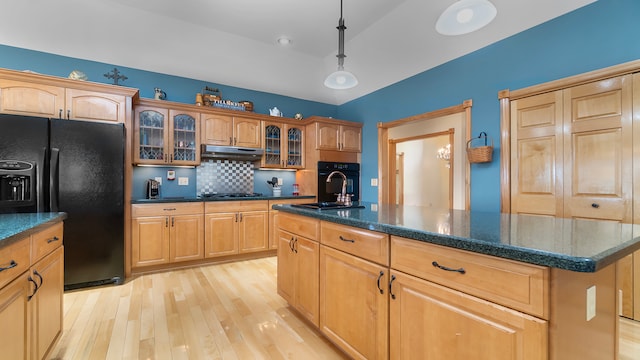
x=572 y=145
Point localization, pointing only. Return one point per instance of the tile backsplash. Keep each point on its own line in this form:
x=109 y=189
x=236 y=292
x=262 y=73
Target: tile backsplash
x=224 y=176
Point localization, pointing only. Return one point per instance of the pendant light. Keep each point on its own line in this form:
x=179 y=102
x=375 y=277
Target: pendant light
x=341 y=79
x=466 y=16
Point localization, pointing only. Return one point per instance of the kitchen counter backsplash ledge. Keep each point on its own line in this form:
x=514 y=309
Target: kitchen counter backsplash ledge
x=197 y=198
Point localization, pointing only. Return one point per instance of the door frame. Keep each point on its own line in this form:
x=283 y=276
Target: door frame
x=386 y=157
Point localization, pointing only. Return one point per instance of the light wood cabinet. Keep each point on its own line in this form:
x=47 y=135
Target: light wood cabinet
x=36 y=99
x=228 y=130
x=236 y=227
x=338 y=137
x=354 y=304
x=274 y=218
x=298 y=265
x=283 y=145
x=167 y=233
x=31 y=294
x=165 y=135
x=437 y=322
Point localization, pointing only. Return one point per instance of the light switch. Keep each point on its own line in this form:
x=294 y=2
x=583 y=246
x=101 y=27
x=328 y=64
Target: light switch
x=374 y=182
x=183 y=181
x=591 y=302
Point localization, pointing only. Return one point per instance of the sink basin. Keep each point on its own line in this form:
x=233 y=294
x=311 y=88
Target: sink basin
x=327 y=206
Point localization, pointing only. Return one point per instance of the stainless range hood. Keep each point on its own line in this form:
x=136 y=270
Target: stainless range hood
x=231 y=153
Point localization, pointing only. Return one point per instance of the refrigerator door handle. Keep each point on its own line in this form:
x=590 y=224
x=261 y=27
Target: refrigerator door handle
x=53 y=180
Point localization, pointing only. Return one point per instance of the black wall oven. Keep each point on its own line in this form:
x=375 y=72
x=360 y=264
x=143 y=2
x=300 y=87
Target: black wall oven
x=327 y=190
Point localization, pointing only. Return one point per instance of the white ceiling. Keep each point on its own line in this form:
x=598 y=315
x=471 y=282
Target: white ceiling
x=233 y=42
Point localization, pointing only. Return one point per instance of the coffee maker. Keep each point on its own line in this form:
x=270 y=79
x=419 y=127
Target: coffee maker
x=153 y=189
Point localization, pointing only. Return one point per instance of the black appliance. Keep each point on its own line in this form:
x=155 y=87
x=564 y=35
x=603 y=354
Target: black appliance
x=75 y=167
x=153 y=189
x=327 y=190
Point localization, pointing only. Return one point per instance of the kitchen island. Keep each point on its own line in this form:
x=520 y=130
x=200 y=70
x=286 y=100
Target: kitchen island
x=396 y=281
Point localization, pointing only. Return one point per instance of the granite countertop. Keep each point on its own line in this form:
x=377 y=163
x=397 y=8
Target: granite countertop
x=197 y=198
x=17 y=226
x=576 y=245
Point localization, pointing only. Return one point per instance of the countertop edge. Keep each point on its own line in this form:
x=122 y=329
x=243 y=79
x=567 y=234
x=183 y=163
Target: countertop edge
x=196 y=199
x=511 y=252
x=9 y=236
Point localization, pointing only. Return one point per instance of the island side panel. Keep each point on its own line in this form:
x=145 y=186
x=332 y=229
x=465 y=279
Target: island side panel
x=571 y=335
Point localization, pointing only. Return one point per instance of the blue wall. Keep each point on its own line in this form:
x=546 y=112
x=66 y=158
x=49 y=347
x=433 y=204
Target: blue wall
x=599 y=35
x=602 y=34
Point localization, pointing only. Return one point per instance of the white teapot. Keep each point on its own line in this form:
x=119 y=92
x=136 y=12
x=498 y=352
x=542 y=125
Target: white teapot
x=275 y=112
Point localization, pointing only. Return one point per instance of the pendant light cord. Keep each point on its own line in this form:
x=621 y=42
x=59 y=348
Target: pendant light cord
x=341 y=28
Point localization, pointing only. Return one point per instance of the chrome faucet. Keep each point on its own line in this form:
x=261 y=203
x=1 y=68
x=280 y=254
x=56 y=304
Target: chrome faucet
x=343 y=198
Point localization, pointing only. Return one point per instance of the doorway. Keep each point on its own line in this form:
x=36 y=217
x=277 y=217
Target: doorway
x=453 y=123
x=424 y=171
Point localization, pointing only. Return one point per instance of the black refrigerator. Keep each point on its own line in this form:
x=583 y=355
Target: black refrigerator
x=75 y=167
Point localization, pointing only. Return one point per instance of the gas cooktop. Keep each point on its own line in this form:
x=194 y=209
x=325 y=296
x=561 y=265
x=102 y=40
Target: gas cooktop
x=228 y=195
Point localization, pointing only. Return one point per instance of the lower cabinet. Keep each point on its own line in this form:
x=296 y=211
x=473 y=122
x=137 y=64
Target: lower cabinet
x=236 y=227
x=434 y=322
x=354 y=304
x=273 y=218
x=167 y=233
x=31 y=304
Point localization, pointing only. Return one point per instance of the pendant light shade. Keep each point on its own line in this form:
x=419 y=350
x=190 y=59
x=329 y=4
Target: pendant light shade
x=466 y=16
x=341 y=79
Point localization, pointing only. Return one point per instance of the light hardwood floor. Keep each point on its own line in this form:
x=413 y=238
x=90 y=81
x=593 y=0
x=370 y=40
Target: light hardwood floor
x=226 y=311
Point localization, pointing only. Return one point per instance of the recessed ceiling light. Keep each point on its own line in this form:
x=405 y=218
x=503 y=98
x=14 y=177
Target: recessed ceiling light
x=284 y=41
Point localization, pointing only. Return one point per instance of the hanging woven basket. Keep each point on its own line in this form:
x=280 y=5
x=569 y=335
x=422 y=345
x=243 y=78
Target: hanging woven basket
x=480 y=149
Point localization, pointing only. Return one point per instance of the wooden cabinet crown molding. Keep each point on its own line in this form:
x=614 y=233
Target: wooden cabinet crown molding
x=68 y=83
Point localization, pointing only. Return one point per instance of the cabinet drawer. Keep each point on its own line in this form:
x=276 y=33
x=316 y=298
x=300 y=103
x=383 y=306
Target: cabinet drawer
x=188 y=208
x=299 y=225
x=513 y=284
x=45 y=241
x=17 y=253
x=236 y=206
x=366 y=244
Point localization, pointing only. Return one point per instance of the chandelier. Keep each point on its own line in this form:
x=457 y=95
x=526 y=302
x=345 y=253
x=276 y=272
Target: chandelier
x=444 y=153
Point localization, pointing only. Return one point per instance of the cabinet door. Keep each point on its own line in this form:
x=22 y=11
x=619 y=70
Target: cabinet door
x=307 y=294
x=14 y=317
x=150 y=241
x=151 y=135
x=327 y=136
x=221 y=234
x=294 y=147
x=357 y=327
x=94 y=106
x=432 y=322
x=216 y=129
x=351 y=138
x=598 y=164
x=273 y=145
x=187 y=238
x=46 y=305
x=287 y=271
x=30 y=99
x=247 y=132
x=183 y=138
x=253 y=232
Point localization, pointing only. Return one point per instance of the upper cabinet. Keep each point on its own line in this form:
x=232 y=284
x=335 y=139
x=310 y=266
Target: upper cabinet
x=46 y=96
x=338 y=137
x=166 y=135
x=229 y=130
x=283 y=145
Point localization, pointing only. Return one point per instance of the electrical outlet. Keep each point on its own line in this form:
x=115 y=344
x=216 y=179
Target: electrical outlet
x=279 y=181
x=158 y=179
x=591 y=302
x=374 y=182
x=374 y=207
x=183 y=181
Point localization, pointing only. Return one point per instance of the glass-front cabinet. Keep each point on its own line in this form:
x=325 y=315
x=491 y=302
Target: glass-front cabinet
x=166 y=136
x=283 y=146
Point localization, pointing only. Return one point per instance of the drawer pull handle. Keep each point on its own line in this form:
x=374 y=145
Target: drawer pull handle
x=347 y=240
x=12 y=264
x=380 y=277
x=55 y=238
x=393 y=278
x=435 y=263
x=169 y=209
x=36 y=273
x=35 y=289
x=595 y=205
x=291 y=244
x=295 y=246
